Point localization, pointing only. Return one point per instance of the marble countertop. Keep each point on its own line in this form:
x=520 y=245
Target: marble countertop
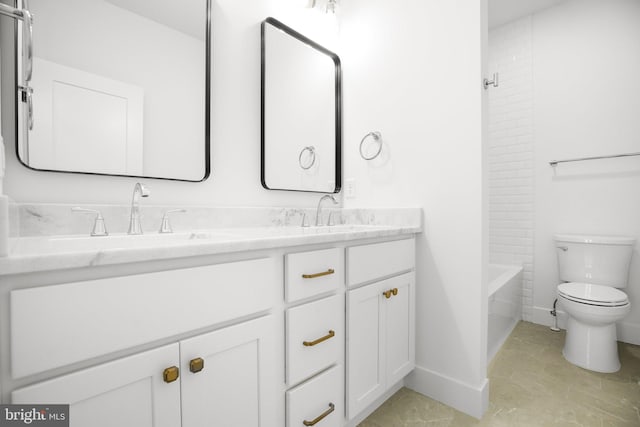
x=45 y=253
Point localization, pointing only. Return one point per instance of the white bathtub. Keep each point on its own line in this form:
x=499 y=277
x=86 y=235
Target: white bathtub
x=505 y=304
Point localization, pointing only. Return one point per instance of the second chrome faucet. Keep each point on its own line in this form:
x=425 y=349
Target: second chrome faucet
x=134 y=219
x=319 y=209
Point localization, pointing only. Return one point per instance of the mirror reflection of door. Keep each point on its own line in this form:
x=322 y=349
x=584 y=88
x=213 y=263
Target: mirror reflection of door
x=119 y=88
x=300 y=112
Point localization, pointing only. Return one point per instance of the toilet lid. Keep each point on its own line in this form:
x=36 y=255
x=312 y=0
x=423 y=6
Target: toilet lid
x=587 y=293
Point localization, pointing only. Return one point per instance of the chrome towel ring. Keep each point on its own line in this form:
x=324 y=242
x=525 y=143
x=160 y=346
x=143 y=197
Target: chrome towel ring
x=311 y=157
x=377 y=137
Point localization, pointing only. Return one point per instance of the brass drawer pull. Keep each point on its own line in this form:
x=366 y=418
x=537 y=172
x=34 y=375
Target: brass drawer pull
x=196 y=365
x=171 y=374
x=331 y=334
x=387 y=294
x=324 y=273
x=394 y=291
x=320 y=417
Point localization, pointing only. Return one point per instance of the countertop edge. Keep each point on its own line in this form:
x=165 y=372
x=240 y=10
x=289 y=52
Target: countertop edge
x=24 y=264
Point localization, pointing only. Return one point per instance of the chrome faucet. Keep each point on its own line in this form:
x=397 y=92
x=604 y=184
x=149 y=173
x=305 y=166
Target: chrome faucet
x=134 y=221
x=323 y=198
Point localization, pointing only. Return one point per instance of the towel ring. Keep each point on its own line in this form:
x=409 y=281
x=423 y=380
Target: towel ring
x=312 y=154
x=377 y=137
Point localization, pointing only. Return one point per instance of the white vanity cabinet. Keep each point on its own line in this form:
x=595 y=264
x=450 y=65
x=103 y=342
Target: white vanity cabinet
x=226 y=374
x=288 y=336
x=223 y=377
x=380 y=321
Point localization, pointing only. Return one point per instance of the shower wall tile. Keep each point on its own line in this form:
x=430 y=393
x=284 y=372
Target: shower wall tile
x=511 y=152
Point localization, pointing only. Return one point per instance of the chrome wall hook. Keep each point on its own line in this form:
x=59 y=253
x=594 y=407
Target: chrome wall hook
x=494 y=82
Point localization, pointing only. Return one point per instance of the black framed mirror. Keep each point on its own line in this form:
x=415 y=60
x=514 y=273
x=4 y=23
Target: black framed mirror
x=301 y=117
x=119 y=87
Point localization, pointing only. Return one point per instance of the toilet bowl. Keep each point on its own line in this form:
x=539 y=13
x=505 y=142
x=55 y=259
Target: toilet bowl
x=592 y=268
x=593 y=311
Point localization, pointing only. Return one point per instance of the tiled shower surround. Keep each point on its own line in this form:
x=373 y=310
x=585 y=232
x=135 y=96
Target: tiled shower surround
x=511 y=152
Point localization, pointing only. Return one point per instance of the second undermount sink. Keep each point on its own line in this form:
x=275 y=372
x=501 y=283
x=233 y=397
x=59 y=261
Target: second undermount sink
x=344 y=228
x=290 y=231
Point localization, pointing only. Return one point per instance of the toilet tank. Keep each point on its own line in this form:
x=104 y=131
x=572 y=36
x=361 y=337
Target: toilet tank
x=601 y=260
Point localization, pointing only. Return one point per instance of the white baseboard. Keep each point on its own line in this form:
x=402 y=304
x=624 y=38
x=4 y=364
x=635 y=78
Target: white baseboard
x=471 y=400
x=627 y=332
x=542 y=316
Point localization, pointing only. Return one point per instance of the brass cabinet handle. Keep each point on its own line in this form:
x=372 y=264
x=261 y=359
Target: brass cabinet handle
x=313 y=276
x=387 y=294
x=320 y=417
x=171 y=374
x=331 y=334
x=196 y=365
x=394 y=291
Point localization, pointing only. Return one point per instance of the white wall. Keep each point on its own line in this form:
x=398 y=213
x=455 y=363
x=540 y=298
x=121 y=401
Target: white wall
x=586 y=103
x=235 y=140
x=412 y=70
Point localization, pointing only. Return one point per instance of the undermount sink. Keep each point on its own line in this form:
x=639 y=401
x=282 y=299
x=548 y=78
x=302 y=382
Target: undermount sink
x=266 y=232
x=117 y=240
x=344 y=228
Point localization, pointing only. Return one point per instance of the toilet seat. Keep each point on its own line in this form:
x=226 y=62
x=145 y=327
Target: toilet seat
x=597 y=295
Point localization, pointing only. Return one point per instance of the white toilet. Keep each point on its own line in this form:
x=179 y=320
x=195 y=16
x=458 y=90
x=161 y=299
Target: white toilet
x=591 y=268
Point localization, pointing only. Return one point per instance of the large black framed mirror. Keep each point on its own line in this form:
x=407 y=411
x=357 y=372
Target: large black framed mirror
x=301 y=118
x=119 y=87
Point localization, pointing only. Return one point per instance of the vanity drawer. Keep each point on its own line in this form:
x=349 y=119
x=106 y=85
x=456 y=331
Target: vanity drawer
x=315 y=337
x=77 y=321
x=370 y=262
x=313 y=273
x=321 y=395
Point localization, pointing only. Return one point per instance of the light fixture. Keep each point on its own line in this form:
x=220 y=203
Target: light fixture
x=330 y=6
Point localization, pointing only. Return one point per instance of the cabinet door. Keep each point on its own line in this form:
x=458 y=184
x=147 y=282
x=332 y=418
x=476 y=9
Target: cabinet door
x=400 y=325
x=128 y=392
x=237 y=385
x=365 y=339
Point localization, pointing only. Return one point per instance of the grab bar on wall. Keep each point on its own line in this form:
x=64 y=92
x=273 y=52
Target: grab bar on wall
x=554 y=163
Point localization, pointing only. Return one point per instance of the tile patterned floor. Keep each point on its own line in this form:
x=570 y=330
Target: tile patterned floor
x=531 y=384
